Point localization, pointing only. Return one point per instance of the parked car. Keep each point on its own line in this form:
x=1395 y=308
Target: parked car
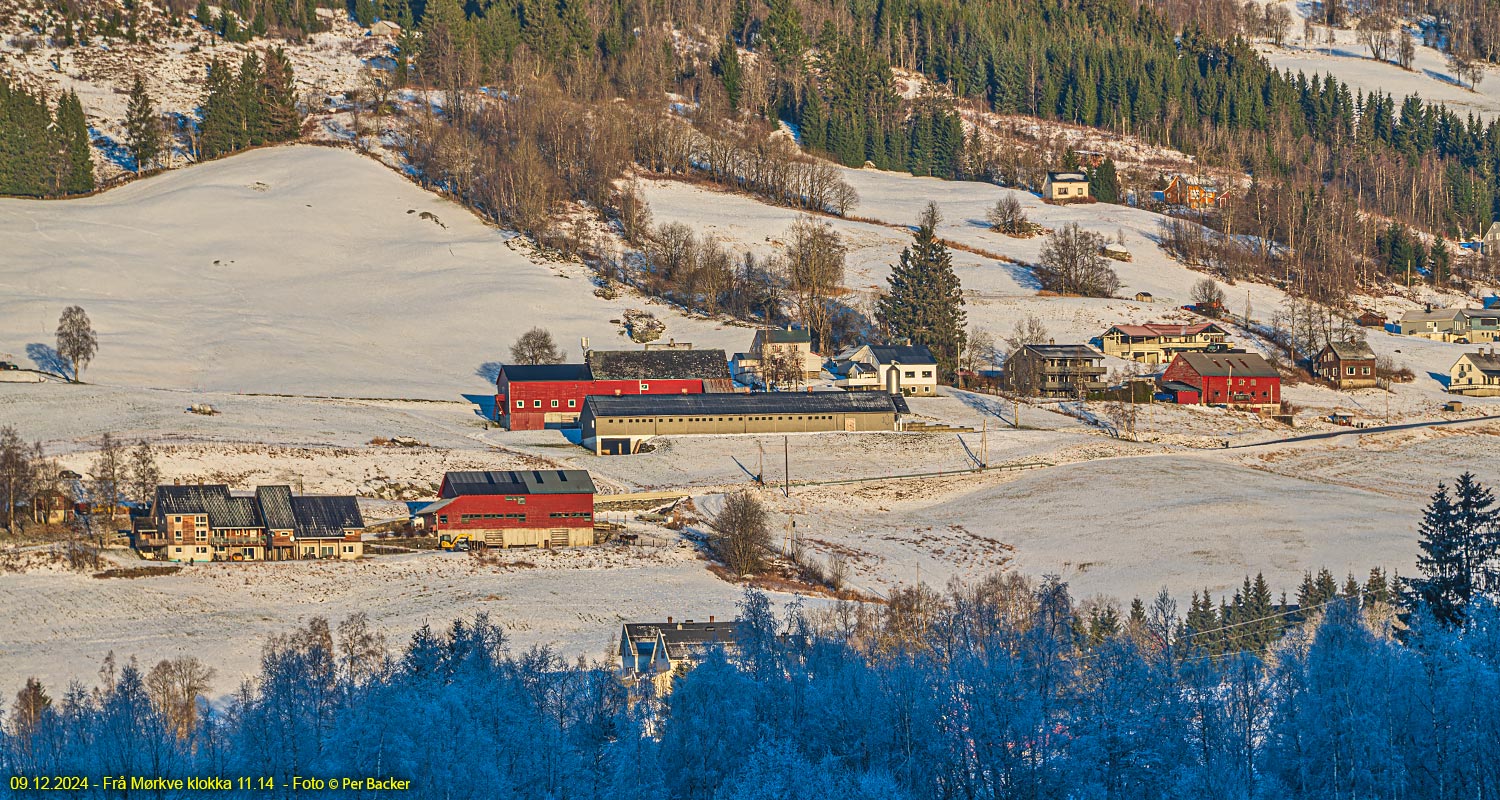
x=7 y=366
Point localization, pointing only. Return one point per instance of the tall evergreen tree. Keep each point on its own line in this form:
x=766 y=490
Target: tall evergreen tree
x=72 y=126
x=142 y=127
x=1444 y=588
x=925 y=301
x=278 y=96
x=727 y=66
x=1104 y=183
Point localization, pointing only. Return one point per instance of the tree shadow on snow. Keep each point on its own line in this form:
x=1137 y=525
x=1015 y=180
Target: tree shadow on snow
x=1440 y=378
x=489 y=370
x=47 y=359
x=112 y=150
x=1443 y=78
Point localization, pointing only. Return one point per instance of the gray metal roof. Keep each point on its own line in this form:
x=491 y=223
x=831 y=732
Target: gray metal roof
x=1064 y=351
x=545 y=372
x=624 y=365
x=531 y=481
x=685 y=638
x=647 y=405
x=905 y=354
x=1488 y=363
x=1352 y=351
x=786 y=335
x=1241 y=365
x=222 y=509
x=325 y=517
x=276 y=507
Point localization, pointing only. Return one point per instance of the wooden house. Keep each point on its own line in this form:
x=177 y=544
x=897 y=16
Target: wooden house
x=515 y=508
x=1060 y=370
x=1064 y=187
x=1240 y=380
x=1370 y=319
x=1189 y=192
x=899 y=369
x=1490 y=245
x=657 y=651
x=207 y=523
x=1347 y=365
x=1475 y=375
x=1144 y=297
x=791 y=347
x=1157 y=342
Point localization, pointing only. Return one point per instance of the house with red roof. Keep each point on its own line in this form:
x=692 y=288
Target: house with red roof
x=1157 y=342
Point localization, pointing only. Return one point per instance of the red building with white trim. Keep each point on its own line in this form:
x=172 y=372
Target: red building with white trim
x=533 y=397
x=515 y=508
x=1239 y=379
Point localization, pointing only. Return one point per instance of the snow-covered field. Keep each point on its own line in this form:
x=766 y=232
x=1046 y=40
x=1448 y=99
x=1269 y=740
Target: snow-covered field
x=1349 y=60
x=336 y=314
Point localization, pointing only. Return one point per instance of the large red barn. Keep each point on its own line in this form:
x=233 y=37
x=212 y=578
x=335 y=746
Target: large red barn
x=532 y=397
x=1239 y=379
x=515 y=508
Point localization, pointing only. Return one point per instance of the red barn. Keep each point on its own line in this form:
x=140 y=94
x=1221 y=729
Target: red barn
x=529 y=398
x=515 y=508
x=1238 y=379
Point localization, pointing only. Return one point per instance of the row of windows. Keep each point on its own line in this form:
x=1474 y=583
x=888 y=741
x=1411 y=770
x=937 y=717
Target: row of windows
x=477 y=517
x=538 y=404
x=926 y=373
x=785 y=418
x=570 y=515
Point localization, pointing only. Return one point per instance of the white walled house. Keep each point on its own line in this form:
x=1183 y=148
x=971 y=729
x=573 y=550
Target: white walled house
x=902 y=369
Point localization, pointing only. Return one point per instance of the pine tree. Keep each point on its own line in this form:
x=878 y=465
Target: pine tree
x=278 y=97
x=142 y=127
x=727 y=67
x=925 y=301
x=72 y=126
x=1444 y=588
x=1104 y=184
x=222 y=121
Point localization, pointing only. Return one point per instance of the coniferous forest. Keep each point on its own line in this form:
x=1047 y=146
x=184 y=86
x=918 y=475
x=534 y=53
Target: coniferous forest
x=1002 y=688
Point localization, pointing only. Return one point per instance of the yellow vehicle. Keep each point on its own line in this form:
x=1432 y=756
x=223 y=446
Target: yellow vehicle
x=459 y=543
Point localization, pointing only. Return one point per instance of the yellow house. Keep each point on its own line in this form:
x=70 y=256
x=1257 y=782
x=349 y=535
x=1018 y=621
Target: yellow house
x=1157 y=343
x=1475 y=375
x=1065 y=186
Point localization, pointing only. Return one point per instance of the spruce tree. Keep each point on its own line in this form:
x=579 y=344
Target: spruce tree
x=1104 y=183
x=925 y=300
x=727 y=67
x=278 y=97
x=72 y=126
x=222 y=120
x=142 y=127
x=1444 y=588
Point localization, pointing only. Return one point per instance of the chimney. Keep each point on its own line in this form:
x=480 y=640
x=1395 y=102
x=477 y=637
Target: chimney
x=710 y=617
x=669 y=620
x=1051 y=341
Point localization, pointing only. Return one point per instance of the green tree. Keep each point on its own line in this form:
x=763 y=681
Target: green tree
x=1458 y=542
x=727 y=66
x=925 y=300
x=1104 y=183
x=142 y=127
x=78 y=162
x=278 y=98
x=785 y=39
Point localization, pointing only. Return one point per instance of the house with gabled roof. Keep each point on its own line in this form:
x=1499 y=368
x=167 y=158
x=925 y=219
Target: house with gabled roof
x=1192 y=192
x=205 y=522
x=514 y=508
x=1475 y=375
x=1236 y=379
x=1347 y=365
x=1065 y=187
x=1157 y=342
x=533 y=397
x=657 y=651
x=908 y=370
x=777 y=356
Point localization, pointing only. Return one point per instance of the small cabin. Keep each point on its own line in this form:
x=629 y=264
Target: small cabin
x=1144 y=297
x=1065 y=187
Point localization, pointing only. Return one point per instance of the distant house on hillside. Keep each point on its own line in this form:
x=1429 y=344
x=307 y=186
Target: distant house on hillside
x=1243 y=380
x=898 y=369
x=1475 y=375
x=385 y=28
x=779 y=356
x=656 y=651
x=1370 y=319
x=1190 y=192
x=1462 y=325
x=1491 y=243
x=1065 y=186
x=1157 y=342
x=1058 y=370
x=1347 y=365
x=1144 y=297
x=515 y=508
x=207 y=523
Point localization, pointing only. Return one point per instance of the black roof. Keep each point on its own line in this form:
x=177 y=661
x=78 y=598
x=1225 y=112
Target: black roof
x=325 y=517
x=621 y=365
x=1064 y=351
x=651 y=405
x=905 y=354
x=545 y=372
x=530 y=481
x=272 y=508
x=683 y=637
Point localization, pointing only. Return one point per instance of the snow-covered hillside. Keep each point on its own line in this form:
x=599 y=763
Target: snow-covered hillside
x=301 y=270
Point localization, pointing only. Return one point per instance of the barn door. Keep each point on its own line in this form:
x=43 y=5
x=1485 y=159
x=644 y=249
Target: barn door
x=559 y=537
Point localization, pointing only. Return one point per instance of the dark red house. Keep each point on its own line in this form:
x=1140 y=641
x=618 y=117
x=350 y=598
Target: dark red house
x=1239 y=379
x=515 y=508
x=533 y=397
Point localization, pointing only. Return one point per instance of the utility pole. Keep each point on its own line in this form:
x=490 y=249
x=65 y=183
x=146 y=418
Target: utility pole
x=984 y=444
x=786 y=454
x=760 y=462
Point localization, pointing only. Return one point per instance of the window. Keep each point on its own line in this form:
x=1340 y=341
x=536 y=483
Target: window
x=911 y=373
x=1062 y=190
x=536 y=404
x=927 y=373
x=1351 y=370
x=1252 y=381
x=443 y=519
x=572 y=404
x=570 y=515
x=348 y=548
x=554 y=404
x=520 y=404
x=1364 y=370
x=645 y=387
